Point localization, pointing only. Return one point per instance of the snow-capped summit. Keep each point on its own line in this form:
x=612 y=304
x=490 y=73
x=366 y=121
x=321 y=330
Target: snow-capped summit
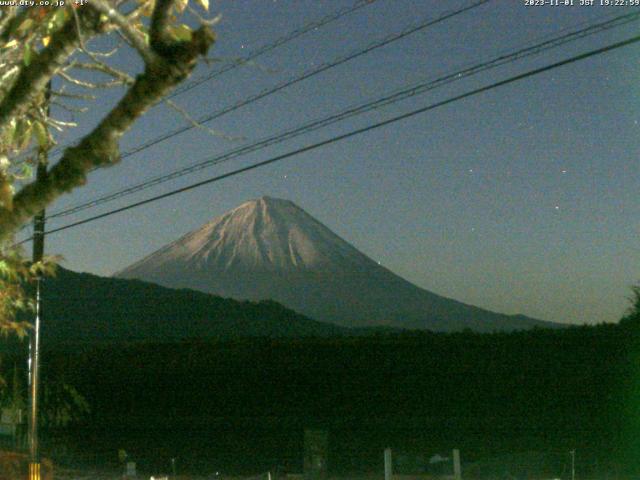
x=270 y=248
x=268 y=234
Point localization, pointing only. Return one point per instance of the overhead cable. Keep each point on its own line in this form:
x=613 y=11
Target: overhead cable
x=353 y=133
x=389 y=98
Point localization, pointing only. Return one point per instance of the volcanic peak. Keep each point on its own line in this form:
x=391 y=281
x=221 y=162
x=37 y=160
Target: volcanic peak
x=264 y=234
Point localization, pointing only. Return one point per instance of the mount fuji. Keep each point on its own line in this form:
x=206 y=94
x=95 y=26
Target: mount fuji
x=270 y=248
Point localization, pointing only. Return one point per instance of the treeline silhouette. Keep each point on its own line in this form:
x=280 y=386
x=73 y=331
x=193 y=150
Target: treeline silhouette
x=243 y=404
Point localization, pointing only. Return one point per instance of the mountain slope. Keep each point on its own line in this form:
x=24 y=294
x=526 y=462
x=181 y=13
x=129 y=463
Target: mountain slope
x=85 y=308
x=272 y=249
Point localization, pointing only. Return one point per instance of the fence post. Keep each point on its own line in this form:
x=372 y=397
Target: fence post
x=457 y=470
x=388 y=464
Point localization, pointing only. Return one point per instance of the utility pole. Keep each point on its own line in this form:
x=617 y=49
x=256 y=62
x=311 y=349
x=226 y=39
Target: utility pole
x=34 y=343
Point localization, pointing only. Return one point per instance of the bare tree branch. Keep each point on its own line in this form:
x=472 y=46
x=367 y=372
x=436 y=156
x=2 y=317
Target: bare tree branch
x=68 y=108
x=8 y=14
x=75 y=96
x=10 y=22
x=102 y=67
x=204 y=21
x=130 y=34
x=185 y=114
x=94 y=54
x=90 y=85
x=33 y=78
x=172 y=63
x=60 y=124
x=158 y=29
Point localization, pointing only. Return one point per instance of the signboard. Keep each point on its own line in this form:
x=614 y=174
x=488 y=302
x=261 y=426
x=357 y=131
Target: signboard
x=131 y=469
x=11 y=416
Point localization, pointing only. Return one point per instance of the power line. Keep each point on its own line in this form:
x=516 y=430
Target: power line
x=313 y=25
x=353 y=133
x=272 y=46
x=426 y=23
x=392 y=97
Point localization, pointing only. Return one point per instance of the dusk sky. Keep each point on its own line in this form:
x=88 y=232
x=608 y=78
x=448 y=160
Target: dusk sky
x=523 y=199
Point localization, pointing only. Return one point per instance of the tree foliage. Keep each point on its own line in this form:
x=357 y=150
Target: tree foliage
x=53 y=45
x=633 y=313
